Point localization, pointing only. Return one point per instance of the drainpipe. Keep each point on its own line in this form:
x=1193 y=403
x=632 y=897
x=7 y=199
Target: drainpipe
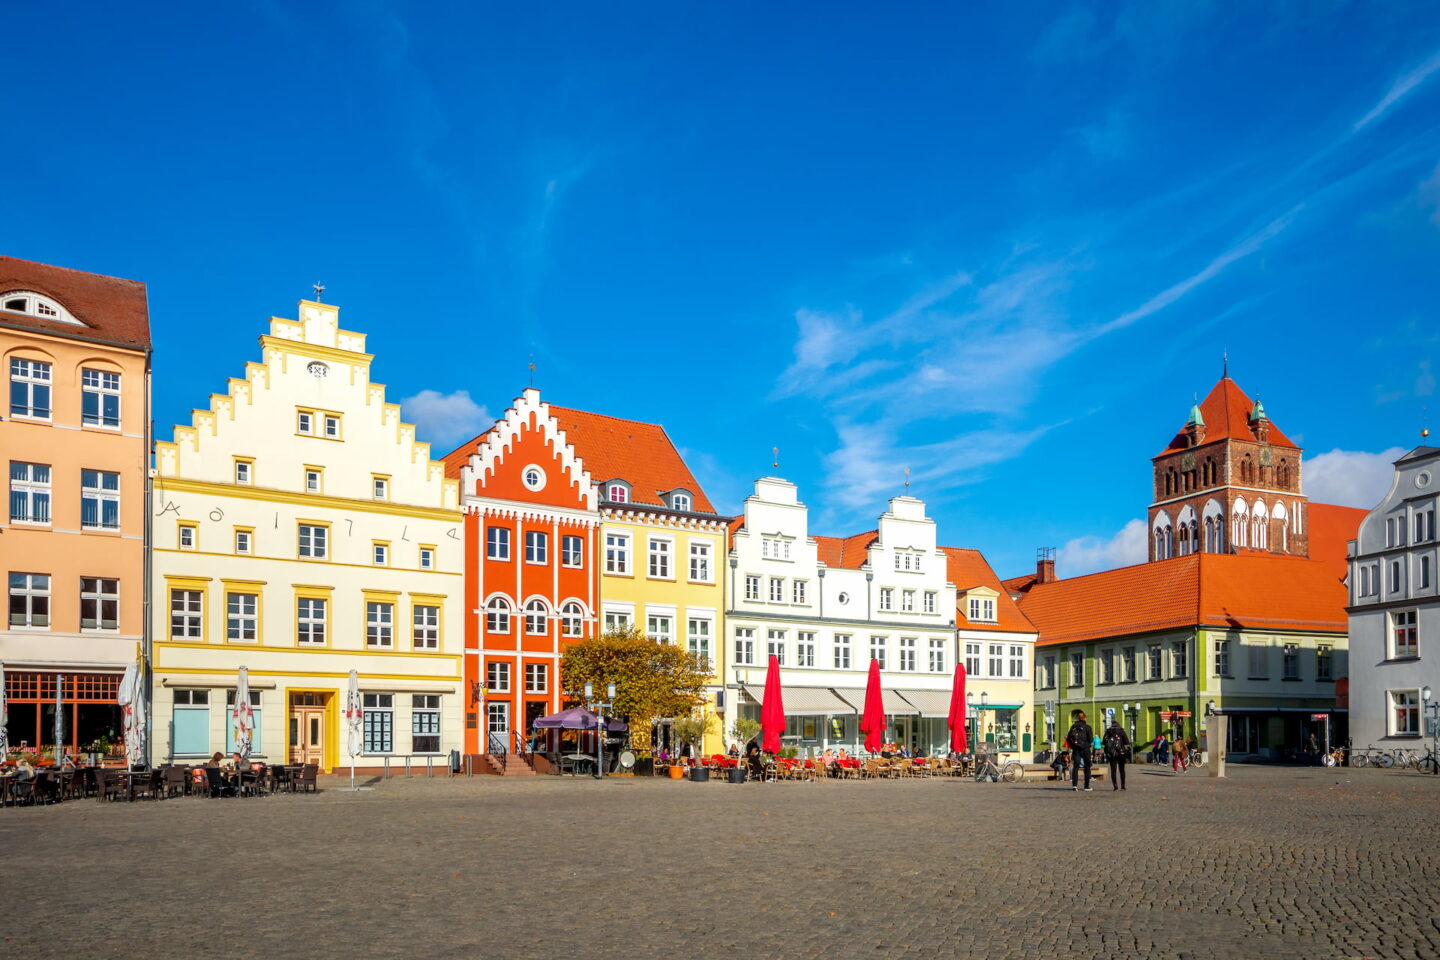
x=146 y=633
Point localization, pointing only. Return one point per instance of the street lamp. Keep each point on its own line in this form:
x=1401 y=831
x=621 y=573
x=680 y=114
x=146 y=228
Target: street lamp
x=1432 y=706
x=599 y=707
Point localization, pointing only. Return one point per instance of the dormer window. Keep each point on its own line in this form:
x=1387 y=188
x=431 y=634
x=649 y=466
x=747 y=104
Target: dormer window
x=680 y=500
x=36 y=305
x=617 y=491
x=982 y=609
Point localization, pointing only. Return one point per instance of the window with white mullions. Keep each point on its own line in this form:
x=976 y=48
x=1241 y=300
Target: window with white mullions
x=29 y=492
x=775 y=645
x=1404 y=639
x=100 y=398
x=426 y=623
x=842 y=651
x=1404 y=713
x=1017 y=661
x=378 y=723
x=907 y=652
x=659 y=628
x=660 y=558
x=700 y=562
x=572 y=619
x=698 y=641
x=99 y=500
x=497 y=543
x=937 y=656
x=379 y=624
x=99 y=603
x=537 y=618
x=572 y=551
x=744 y=646
x=497 y=676
x=537 y=547
x=29 y=389
x=617 y=553
x=241 y=616
x=310 y=620
x=425 y=723
x=537 y=678
x=877 y=650
x=805 y=649
x=186 y=614
x=30 y=600
x=972 y=659
x=313 y=541
x=996 y=660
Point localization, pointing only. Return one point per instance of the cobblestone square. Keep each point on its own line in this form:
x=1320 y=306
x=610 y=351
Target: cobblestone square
x=1273 y=862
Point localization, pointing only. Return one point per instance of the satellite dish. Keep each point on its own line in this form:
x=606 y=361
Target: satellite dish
x=627 y=759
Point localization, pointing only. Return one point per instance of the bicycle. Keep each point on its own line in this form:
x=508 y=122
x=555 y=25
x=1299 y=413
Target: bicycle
x=1429 y=763
x=986 y=770
x=1335 y=758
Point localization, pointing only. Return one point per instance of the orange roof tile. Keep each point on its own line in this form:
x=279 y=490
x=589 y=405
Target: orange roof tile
x=1227 y=417
x=641 y=454
x=1259 y=591
x=114 y=311
x=1020 y=584
x=1331 y=528
x=968 y=568
x=851 y=553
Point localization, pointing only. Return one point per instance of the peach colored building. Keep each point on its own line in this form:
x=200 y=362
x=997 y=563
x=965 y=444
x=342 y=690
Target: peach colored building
x=73 y=445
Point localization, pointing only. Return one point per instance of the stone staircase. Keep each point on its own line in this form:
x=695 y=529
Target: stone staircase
x=514 y=765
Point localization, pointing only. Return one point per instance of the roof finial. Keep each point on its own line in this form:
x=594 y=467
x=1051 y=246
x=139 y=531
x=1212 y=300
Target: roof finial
x=319 y=289
x=1424 y=422
x=1225 y=365
x=532 y=369
x=907 y=478
x=775 y=453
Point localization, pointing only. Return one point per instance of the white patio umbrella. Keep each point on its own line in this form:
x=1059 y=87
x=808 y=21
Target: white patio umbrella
x=131 y=697
x=354 y=723
x=242 y=717
x=59 y=719
x=4 y=718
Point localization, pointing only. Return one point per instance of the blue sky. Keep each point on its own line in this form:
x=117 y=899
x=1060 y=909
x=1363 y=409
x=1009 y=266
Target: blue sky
x=1002 y=248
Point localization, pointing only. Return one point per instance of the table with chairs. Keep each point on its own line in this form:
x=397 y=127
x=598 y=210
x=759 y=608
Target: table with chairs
x=164 y=782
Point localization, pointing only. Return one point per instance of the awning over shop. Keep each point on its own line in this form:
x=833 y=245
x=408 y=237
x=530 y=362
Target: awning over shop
x=895 y=705
x=930 y=703
x=802 y=701
x=1000 y=706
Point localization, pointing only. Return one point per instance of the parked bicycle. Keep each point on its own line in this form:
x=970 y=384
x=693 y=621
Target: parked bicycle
x=986 y=770
x=1429 y=763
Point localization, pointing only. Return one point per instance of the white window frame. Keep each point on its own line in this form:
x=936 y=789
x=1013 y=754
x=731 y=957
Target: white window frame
x=842 y=652
x=1394 y=705
x=698 y=636
x=572 y=551
x=805 y=649
x=312 y=541
x=537 y=678
x=907 y=601
x=572 y=619
x=973 y=660
x=498 y=611
x=32 y=494
x=877 y=650
x=497 y=676
x=797 y=591
x=244 y=542
x=617 y=554
x=424 y=721
x=379 y=625
x=777 y=589
x=378 y=721
x=937 y=656
x=907 y=654
x=745 y=646
x=37 y=376
x=312 y=621
x=1403 y=625
x=1016 y=661
x=425 y=626
x=242 y=616
x=497 y=542
x=380 y=554
x=427 y=558
x=700 y=568
x=537 y=547
x=887 y=598
x=752 y=587
x=1221 y=651
x=94 y=489
x=775 y=645
x=660 y=627
x=982 y=609
x=103 y=385
x=187 y=614
x=930 y=599
x=97 y=593
x=995 y=659
x=30 y=592
x=660 y=559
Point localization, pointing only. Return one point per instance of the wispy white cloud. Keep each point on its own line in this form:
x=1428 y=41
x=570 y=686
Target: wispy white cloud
x=1088 y=554
x=444 y=419
x=1351 y=478
x=1429 y=195
x=1400 y=89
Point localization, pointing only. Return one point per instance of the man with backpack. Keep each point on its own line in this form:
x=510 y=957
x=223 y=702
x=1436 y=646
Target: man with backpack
x=1117 y=752
x=1079 y=741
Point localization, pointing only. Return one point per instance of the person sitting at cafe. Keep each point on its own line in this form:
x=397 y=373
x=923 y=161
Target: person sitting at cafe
x=24 y=782
x=887 y=750
x=216 y=759
x=239 y=762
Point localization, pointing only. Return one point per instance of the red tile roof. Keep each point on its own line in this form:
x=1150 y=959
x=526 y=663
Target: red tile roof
x=968 y=568
x=1331 y=528
x=848 y=552
x=1227 y=417
x=1263 y=592
x=113 y=310
x=1020 y=584
x=641 y=454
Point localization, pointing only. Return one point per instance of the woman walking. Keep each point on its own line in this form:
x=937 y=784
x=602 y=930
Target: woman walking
x=1117 y=752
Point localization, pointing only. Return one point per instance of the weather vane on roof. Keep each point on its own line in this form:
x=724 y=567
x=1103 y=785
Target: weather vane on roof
x=319 y=289
x=532 y=369
x=907 y=478
x=775 y=452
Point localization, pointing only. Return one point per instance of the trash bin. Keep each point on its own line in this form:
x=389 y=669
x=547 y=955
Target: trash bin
x=699 y=774
x=454 y=761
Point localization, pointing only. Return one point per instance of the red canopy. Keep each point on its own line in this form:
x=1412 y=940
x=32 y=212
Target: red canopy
x=872 y=722
x=958 y=711
x=772 y=710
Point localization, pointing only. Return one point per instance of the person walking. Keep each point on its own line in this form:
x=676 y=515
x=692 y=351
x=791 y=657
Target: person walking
x=1181 y=754
x=1117 y=753
x=1079 y=740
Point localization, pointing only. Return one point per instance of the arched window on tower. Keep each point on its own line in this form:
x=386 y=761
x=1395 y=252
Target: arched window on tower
x=1261 y=533
x=1169 y=541
x=1194 y=536
x=1209 y=534
x=1283 y=475
x=1184 y=544
x=1159 y=544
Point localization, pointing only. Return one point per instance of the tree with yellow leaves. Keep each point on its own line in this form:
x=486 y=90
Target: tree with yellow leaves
x=653 y=680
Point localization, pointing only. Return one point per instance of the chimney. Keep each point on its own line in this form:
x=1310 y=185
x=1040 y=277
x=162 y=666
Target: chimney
x=1045 y=565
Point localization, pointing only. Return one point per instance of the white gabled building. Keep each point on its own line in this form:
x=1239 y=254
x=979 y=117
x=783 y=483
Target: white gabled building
x=827 y=606
x=1395 y=608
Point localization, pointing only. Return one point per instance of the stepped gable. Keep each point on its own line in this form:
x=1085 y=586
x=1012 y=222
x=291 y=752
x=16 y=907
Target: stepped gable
x=114 y=311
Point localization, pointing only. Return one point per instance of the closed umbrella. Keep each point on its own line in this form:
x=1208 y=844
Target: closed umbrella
x=4 y=718
x=59 y=719
x=354 y=723
x=958 y=719
x=772 y=710
x=131 y=697
x=242 y=718
x=872 y=721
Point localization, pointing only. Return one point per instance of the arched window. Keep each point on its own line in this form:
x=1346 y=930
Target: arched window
x=1194 y=536
x=1184 y=539
x=1261 y=531
x=1159 y=544
x=497 y=615
x=36 y=305
x=1209 y=534
x=1282 y=475
x=572 y=616
x=1169 y=541
x=537 y=618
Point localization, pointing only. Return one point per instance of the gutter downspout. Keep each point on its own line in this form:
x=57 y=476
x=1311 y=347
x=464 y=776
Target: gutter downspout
x=146 y=632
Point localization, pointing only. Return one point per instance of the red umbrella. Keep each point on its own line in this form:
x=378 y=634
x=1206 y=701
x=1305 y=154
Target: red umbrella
x=772 y=710
x=958 y=712
x=872 y=722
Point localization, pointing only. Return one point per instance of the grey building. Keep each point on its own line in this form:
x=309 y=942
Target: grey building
x=1395 y=608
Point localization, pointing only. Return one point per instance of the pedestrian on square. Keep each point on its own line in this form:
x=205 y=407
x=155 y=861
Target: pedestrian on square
x=1079 y=739
x=1161 y=750
x=1181 y=753
x=1061 y=764
x=1117 y=752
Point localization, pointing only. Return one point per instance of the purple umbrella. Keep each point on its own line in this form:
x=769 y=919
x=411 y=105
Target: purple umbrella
x=576 y=718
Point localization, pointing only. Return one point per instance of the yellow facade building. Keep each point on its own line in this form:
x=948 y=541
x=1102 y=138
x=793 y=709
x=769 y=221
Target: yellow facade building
x=662 y=545
x=300 y=531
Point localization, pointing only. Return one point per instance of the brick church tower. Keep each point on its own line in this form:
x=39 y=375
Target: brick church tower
x=1228 y=482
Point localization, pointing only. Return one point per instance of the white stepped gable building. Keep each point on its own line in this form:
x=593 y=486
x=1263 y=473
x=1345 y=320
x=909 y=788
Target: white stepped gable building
x=1395 y=608
x=826 y=606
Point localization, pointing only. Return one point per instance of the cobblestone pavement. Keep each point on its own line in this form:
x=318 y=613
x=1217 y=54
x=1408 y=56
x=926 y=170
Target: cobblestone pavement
x=1273 y=862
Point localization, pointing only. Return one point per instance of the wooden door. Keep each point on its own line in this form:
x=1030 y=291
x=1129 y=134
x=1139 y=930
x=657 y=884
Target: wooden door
x=307 y=734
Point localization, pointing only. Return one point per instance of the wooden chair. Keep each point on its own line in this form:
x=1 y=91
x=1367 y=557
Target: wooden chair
x=107 y=785
x=305 y=779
